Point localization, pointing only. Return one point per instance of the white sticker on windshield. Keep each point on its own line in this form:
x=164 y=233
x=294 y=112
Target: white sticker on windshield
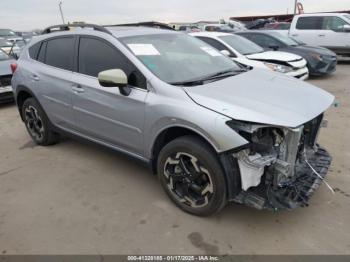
x=211 y=51
x=143 y=49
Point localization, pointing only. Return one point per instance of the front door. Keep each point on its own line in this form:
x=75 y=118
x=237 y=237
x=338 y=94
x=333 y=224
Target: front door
x=103 y=113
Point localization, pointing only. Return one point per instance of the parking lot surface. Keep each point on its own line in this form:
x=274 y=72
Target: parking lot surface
x=78 y=198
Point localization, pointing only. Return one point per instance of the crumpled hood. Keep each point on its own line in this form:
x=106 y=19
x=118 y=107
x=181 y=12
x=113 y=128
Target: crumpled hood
x=5 y=67
x=264 y=97
x=275 y=55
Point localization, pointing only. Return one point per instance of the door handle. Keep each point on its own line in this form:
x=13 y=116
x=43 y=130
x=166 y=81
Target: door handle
x=77 y=89
x=35 y=77
x=321 y=35
x=294 y=34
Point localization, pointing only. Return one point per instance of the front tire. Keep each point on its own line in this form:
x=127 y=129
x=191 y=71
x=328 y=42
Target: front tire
x=38 y=124
x=191 y=175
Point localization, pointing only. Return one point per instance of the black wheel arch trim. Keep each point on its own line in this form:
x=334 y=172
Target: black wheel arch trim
x=22 y=88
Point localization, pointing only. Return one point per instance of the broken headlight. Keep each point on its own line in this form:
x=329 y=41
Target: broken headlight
x=279 y=68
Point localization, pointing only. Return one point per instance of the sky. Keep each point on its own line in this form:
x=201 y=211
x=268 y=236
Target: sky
x=36 y=14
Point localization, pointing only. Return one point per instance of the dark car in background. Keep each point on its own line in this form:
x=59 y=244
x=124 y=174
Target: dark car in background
x=320 y=61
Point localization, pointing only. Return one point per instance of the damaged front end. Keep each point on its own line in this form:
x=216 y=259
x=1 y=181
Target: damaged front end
x=281 y=167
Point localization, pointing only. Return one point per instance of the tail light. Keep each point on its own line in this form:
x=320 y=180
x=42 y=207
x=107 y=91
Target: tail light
x=13 y=67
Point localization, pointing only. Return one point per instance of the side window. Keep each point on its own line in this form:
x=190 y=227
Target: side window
x=96 y=56
x=309 y=23
x=264 y=40
x=60 y=53
x=216 y=44
x=34 y=50
x=42 y=52
x=333 y=23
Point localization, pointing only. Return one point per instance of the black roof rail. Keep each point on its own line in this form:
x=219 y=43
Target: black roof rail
x=67 y=27
x=147 y=24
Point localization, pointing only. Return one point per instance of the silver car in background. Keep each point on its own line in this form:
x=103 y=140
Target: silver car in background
x=213 y=131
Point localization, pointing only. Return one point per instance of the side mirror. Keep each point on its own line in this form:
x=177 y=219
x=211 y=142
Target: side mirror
x=274 y=47
x=115 y=78
x=225 y=53
x=346 y=28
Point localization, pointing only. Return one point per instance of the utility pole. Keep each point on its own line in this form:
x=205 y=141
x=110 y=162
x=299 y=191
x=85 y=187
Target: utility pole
x=295 y=7
x=61 y=12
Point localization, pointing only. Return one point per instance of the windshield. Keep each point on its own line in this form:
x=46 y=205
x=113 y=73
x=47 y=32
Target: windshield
x=347 y=17
x=177 y=58
x=7 y=32
x=241 y=45
x=284 y=39
x=3 y=55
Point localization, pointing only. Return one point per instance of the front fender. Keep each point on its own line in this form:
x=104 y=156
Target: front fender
x=208 y=124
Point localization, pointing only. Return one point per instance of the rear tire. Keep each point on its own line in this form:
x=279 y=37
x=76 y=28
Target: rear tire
x=191 y=175
x=38 y=124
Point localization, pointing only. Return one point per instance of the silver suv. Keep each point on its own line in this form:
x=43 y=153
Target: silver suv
x=213 y=132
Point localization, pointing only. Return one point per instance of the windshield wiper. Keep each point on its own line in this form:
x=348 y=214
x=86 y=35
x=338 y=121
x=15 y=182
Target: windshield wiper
x=215 y=76
x=224 y=74
x=188 y=83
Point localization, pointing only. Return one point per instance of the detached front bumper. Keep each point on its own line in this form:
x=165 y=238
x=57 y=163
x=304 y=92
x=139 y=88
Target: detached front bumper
x=296 y=193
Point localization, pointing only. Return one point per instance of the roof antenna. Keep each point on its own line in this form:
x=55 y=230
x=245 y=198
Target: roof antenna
x=61 y=12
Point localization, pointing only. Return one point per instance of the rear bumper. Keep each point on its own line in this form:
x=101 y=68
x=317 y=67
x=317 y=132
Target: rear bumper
x=6 y=94
x=295 y=194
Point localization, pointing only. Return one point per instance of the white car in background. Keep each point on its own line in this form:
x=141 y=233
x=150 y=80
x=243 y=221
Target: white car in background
x=248 y=53
x=329 y=30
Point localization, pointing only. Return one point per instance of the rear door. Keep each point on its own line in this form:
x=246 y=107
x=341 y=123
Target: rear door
x=103 y=113
x=307 y=29
x=53 y=79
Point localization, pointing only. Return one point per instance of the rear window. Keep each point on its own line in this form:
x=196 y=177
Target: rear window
x=60 y=53
x=309 y=23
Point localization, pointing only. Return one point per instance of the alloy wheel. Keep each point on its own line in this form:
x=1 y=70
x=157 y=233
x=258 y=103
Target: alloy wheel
x=34 y=123
x=188 y=180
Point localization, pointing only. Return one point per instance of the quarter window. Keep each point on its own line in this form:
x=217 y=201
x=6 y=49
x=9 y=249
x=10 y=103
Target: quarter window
x=309 y=23
x=33 y=50
x=96 y=56
x=42 y=53
x=60 y=53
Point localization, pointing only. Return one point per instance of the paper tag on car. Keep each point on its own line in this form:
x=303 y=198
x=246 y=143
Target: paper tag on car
x=211 y=51
x=143 y=49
